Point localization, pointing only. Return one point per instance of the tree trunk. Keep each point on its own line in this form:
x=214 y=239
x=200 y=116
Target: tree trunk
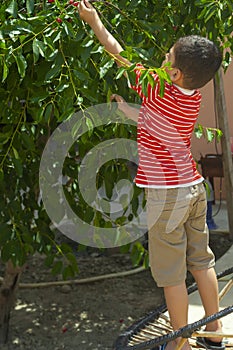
x=220 y=102
x=7 y=298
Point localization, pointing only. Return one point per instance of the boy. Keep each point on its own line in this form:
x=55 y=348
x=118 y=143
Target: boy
x=178 y=238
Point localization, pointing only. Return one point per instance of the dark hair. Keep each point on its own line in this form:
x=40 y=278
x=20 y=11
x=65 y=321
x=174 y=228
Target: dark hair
x=198 y=59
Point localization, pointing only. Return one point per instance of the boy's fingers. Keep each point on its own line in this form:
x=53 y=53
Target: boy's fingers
x=116 y=97
x=85 y=9
x=85 y=3
x=112 y=97
x=82 y=5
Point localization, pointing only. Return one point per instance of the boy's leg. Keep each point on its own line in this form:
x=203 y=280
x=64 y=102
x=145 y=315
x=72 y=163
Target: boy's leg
x=167 y=251
x=177 y=305
x=208 y=289
x=200 y=259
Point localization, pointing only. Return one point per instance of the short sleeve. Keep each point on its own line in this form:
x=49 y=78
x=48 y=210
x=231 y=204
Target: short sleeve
x=138 y=86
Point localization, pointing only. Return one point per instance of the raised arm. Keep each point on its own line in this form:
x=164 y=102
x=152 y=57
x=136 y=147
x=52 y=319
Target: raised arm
x=88 y=14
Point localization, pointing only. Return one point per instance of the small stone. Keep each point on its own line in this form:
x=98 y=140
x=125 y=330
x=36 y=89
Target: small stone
x=95 y=255
x=66 y=289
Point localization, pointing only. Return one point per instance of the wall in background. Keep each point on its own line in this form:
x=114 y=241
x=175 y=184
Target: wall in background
x=207 y=118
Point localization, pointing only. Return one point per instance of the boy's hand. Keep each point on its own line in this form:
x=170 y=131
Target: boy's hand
x=87 y=12
x=112 y=46
x=123 y=106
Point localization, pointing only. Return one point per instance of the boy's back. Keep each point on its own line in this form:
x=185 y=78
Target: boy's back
x=165 y=127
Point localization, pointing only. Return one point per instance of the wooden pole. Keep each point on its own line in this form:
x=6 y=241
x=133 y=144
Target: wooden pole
x=220 y=103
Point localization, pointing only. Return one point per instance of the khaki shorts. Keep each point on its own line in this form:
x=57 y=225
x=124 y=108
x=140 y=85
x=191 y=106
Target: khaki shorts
x=178 y=234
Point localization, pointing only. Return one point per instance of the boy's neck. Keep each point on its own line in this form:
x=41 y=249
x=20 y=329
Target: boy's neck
x=184 y=90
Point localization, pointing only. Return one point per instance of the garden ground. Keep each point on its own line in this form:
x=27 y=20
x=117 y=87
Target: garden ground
x=85 y=316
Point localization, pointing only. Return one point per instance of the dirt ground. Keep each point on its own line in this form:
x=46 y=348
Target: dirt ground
x=88 y=316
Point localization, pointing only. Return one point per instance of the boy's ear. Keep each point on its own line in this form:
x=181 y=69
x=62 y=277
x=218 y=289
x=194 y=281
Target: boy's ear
x=175 y=75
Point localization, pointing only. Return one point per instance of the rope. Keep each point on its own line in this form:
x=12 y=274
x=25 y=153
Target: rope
x=79 y=281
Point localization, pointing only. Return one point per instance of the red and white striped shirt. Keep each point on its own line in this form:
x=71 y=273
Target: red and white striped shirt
x=165 y=127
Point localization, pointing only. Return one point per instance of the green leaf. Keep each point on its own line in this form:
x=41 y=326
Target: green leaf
x=90 y=94
x=146 y=262
x=198 y=131
x=219 y=134
x=131 y=77
x=66 y=248
x=120 y=72
x=105 y=68
x=21 y=64
x=28 y=141
x=38 y=97
x=209 y=134
x=151 y=81
x=66 y=114
x=26 y=235
x=98 y=49
x=62 y=86
x=1 y=175
x=38 y=48
x=137 y=253
x=5 y=233
x=87 y=42
x=143 y=76
x=76 y=128
x=72 y=259
x=124 y=200
x=49 y=260
x=121 y=220
x=135 y=205
x=55 y=68
x=207 y=188
x=57 y=268
x=30 y=4
x=90 y=126
x=210 y=13
x=145 y=87
x=18 y=166
x=88 y=215
x=16 y=154
x=48 y=112
x=143 y=54
x=38 y=114
x=4 y=137
x=125 y=248
x=68 y=272
x=81 y=74
x=12 y=9
x=68 y=29
x=109 y=184
x=28 y=249
x=13 y=251
x=5 y=72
